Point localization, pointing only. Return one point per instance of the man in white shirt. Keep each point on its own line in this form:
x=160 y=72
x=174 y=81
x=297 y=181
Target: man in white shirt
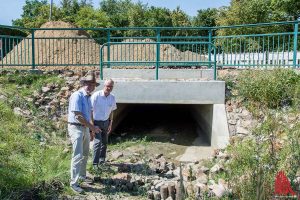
x=103 y=105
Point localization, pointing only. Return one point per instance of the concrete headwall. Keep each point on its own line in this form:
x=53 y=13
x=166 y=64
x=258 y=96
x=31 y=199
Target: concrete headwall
x=169 y=92
x=205 y=97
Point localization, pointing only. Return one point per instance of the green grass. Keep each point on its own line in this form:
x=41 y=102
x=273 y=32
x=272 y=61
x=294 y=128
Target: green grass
x=28 y=169
x=24 y=163
x=121 y=145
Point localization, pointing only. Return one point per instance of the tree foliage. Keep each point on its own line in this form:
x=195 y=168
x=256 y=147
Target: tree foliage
x=126 y=13
x=35 y=13
x=206 y=17
x=88 y=17
x=257 y=11
x=286 y=9
x=117 y=11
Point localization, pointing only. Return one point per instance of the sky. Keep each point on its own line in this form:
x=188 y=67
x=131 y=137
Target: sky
x=12 y=9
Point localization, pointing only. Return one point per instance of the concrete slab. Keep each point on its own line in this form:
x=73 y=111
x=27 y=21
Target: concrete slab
x=199 y=150
x=169 y=91
x=150 y=74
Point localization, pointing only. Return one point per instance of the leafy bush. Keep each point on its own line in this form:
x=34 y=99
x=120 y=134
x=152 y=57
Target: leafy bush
x=271 y=88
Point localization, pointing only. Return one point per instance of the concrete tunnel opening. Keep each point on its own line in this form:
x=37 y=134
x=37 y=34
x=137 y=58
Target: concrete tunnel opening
x=182 y=124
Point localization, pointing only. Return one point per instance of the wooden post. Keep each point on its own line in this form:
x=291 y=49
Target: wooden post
x=197 y=189
x=179 y=194
x=171 y=190
x=156 y=195
x=150 y=195
x=164 y=192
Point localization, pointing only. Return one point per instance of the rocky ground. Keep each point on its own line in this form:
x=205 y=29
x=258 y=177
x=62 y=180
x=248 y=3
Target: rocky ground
x=146 y=169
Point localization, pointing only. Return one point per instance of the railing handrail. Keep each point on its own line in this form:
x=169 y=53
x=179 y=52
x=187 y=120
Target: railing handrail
x=160 y=28
x=168 y=42
x=254 y=35
x=156 y=43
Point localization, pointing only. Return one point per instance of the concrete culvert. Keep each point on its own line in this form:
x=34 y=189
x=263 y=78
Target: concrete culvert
x=173 y=128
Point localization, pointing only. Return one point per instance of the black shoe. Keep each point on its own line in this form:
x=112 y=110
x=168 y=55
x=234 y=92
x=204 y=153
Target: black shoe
x=101 y=162
x=104 y=166
x=95 y=167
x=86 y=180
x=76 y=188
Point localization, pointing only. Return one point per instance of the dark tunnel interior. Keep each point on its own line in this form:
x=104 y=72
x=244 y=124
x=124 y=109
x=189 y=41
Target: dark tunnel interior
x=159 y=122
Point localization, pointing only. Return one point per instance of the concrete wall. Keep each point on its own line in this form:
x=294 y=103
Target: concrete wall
x=203 y=115
x=150 y=74
x=212 y=122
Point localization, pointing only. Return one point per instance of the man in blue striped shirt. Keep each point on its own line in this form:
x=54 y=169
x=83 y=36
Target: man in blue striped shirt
x=79 y=126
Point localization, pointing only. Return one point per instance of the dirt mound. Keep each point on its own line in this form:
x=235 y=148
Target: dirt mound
x=60 y=33
x=147 y=52
x=54 y=49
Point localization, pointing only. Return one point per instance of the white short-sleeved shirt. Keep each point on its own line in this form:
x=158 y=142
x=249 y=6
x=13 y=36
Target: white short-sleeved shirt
x=102 y=106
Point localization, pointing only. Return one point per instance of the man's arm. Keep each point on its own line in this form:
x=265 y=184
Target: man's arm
x=92 y=134
x=111 y=118
x=79 y=117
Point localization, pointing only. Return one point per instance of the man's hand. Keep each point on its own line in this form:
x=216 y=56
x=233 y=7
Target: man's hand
x=96 y=129
x=109 y=127
x=92 y=135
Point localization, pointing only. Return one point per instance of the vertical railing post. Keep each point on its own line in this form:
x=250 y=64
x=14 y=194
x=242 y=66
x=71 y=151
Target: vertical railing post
x=32 y=50
x=295 y=44
x=108 y=48
x=157 y=52
x=101 y=62
x=1 y=49
x=50 y=14
x=209 y=47
x=215 y=63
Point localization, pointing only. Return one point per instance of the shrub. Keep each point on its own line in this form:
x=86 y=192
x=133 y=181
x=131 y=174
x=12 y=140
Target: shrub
x=271 y=88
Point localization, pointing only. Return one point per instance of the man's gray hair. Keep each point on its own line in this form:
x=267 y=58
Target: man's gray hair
x=107 y=81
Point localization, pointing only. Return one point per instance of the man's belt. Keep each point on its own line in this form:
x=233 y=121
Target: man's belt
x=74 y=123
x=101 y=120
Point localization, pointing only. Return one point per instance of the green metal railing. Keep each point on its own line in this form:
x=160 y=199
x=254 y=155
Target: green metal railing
x=262 y=50
x=270 y=49
x=157 y=60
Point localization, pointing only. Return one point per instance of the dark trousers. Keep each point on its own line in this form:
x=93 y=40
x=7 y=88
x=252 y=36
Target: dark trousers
x=100 y=142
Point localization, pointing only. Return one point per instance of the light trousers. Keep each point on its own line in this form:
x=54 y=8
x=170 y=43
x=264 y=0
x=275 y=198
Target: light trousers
x=80 y=138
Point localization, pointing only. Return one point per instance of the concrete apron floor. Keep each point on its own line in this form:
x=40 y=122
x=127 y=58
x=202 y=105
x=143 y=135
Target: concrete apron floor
x=197 y=151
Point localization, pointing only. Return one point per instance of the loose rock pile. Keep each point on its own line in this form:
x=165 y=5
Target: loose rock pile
x=162 y=179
